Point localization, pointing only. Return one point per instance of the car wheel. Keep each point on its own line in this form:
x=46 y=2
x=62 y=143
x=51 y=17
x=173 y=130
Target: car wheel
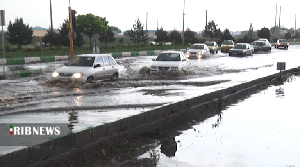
x=90 y=79
x=229 y=54
x=114 y=77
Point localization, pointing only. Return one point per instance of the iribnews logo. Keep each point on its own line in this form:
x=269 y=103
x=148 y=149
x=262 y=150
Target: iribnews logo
x=39 y=130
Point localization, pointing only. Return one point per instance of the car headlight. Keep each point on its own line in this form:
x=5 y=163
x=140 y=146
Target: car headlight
x=174 y=68
x=199 y=53
x=77 y=75
x=55 y=74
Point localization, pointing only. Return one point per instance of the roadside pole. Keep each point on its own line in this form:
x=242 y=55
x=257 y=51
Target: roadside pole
x=2 y=22
x=71 y=32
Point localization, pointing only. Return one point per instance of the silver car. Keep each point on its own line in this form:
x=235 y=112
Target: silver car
x=88 y=67
x=241 y=49
x=198 y=51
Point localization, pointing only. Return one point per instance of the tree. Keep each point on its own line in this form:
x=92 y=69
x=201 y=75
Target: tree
x=52 y=38
x=250 y=32
x=264 y=33
x=126 y=33
x=161 y=36
x=64 y=39
x=107 y=36
x=121 y=40
x=18 y=33
x=288 y=35
x=138 y=34
x=211 y=30
x=226 y=35
x=90 y=24
x=297 y=35
x=175 y=37
x=189 y=36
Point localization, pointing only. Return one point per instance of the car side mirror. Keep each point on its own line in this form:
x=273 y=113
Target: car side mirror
x=97 y=65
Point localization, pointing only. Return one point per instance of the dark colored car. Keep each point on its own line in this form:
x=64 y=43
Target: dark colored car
x=261 y=46
x=282 y=43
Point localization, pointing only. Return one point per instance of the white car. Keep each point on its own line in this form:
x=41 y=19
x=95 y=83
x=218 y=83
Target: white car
x=169 y=61
x=266 y=41
x=198 y=51
x=88 y=67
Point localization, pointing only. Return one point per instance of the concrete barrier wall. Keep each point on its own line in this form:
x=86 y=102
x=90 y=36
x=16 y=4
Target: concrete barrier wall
x=57 y=58
x=2 y=61
x=161 y=117
x=126 y=54
x=157 y=52
x=142 y=53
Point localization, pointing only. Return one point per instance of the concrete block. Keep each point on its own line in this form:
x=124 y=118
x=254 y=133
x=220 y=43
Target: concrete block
x=183 y=50
x=190 y=102
x=157 y=52
x=98 y=132
x=57 y=58
x=114 y=127
x=149 y=116
x=143 y=53
x=159 y=113
x=82 y=137
x=2 y=61
x=126 y=54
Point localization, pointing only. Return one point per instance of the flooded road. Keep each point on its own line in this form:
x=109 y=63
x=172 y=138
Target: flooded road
x=37 y=100
x=262 y=130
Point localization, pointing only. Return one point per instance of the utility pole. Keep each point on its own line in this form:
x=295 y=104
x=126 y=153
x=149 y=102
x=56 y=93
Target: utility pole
x=183 y=24
x=146 y=20
x=51 y=16
x=71 y=31
x=279 y=17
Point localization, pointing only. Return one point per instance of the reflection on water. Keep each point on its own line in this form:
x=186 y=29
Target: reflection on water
x=73 y=119
x=279 y=92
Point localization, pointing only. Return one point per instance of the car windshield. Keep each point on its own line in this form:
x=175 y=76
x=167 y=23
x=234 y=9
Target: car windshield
x=197 y=47
x=82 y=61
x=239 y=47
x=209 y=44
x=168 y=57
x=258 y=43
x=227 y=43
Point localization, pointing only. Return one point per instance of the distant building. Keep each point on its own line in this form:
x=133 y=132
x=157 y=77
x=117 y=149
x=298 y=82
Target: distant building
x=243 y=33
x=39 y=32
x=151 y=33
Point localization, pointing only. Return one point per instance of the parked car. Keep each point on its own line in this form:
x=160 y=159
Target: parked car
x=88 y=67
x=261 y=46
x=227 y=45
x=241 y=49
x=282 y=43
x=212 y=46
x=198 y=51
x=169 y=61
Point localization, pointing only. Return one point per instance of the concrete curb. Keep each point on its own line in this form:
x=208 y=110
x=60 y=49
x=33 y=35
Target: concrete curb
x=27 y=60
x=164 y=116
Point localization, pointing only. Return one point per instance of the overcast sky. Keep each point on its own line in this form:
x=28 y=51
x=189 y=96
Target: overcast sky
x=236 y=15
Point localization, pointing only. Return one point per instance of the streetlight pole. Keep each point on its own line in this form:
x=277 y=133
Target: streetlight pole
x=183 y=24
x=71 y=31
x=51 y=16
